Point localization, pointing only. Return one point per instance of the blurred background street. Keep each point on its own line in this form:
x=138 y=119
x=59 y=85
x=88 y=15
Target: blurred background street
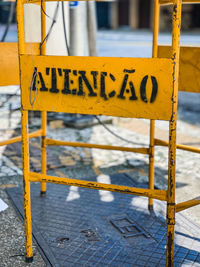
x=82 y=162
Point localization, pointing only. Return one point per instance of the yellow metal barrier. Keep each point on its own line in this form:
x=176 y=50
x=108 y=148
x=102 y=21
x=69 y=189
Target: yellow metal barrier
x=9 y=64
x=17 y=139
x=189 y=78
x=128 y=87
x=169 y=2
x=9 y=74
x=189 y=71
x=116 y=76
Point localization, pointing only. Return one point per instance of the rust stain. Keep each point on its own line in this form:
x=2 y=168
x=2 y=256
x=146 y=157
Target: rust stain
x=170 y=241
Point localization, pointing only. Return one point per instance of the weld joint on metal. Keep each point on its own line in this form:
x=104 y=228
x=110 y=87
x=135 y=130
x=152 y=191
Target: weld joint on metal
x=43 y=141
x=170 y=223
x=151 y=151
x=171 y=204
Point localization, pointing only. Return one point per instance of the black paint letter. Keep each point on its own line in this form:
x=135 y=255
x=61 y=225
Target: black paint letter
x=66 y=89
x=103 y=92
x=53 y=88
x=94 y=74
x=84 y=78
x=43 y=86
x=154 y=90
x=130 y=89
x=143 y=89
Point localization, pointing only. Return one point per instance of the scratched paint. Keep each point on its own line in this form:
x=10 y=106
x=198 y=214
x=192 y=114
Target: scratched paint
x=167 y=2
x=158 y=194
x=172 y=134
x=189 y=67
x=140 y=88
x=125 y=87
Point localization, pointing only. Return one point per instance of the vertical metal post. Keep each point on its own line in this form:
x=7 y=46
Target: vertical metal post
x=25 y=146
x=79 y=45
x=92 y=28
x=171 y=206
x=152 y=122
x=43 y=113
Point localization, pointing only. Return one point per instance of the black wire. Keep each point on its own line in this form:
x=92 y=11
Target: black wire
x=46 y=37
x=97 y=118
x=64 y=27
x=44 y=10
x=116 y=135
x=53 y=21
x=67 y=47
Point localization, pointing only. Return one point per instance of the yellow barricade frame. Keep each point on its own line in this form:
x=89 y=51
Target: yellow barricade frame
x=151 y=193
x=125 y=87
x=170 y=2
x=9 y=74
x=9 y=64
x=188 y=73
x=189 y=78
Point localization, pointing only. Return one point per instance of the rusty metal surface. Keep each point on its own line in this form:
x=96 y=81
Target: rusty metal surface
x=189 y=66
x=58 y=95
x=79 y=228
x=125 y=87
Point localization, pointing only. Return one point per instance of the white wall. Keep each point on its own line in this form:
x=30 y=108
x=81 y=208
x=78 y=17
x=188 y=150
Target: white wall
x=32 y=19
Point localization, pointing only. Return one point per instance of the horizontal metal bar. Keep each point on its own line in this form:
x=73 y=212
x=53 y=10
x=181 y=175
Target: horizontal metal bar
x=159 y=142
x=37 y=133
x=170 y=2
x=161 y=2
x=52 y=142
x=152 y=193
x=17 y=139
x=38 y=1
x=187 y=204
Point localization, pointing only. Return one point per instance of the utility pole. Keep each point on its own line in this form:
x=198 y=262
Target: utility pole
x=83 y=28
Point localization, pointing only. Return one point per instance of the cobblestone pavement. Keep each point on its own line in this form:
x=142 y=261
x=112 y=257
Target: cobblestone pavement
x=85 y=162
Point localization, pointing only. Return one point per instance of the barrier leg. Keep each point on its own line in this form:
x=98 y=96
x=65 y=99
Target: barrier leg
x=170 y=233
x=26 y=187
x=152 y=123
x=151 y=162
x=171 y=187
x=171 y=207
x=43 y=151
x=43 y=113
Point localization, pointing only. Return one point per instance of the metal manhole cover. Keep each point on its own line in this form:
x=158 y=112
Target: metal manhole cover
x=133 y=233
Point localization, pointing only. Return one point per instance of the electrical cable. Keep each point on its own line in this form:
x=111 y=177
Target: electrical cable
x=32 y=101
x=53 y=21
x=97 y=118
x=64 y=28
x=34 y=81
x=116 y=135
x=44 y=10
x=67 y=47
